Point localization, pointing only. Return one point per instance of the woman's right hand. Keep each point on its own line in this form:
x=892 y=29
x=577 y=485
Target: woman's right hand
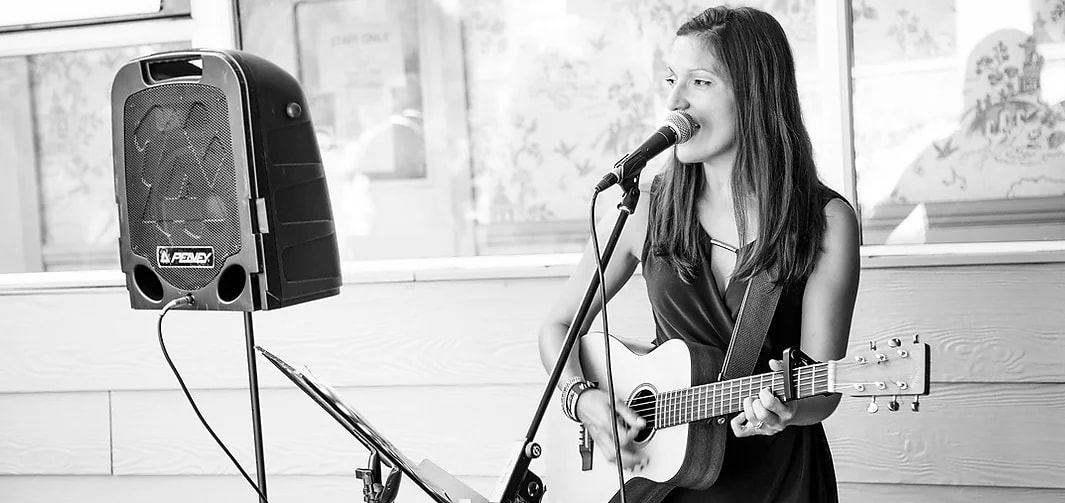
x=593 y=409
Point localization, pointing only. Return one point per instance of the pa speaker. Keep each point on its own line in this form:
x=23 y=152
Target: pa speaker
x=219 y=182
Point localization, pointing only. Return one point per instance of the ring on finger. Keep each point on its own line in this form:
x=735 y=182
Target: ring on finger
x=759 y=425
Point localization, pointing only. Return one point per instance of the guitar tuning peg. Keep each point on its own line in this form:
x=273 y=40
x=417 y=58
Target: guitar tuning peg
x=893 y=405
x=916 y=405
x=916 y=338
x=873 y=407
x=894 y=342
x=872 y=345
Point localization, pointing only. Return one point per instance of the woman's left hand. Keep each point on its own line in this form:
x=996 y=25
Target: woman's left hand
x=764 y=414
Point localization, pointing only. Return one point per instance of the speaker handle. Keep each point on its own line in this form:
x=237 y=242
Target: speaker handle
x=183 y=68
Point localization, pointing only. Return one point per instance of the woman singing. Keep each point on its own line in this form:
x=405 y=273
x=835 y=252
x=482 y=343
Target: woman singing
x=741 y=196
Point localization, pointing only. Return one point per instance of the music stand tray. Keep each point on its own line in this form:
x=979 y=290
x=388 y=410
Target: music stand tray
x=441 y=486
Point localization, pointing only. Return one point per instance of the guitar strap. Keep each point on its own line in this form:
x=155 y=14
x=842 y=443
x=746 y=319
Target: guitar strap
x=757 y=308
x=748 y=334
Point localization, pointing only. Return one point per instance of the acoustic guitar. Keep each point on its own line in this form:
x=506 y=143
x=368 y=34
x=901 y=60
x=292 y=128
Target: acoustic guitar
x=670 y=388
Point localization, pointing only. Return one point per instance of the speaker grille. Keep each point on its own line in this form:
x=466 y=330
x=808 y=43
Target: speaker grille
x=181 y=186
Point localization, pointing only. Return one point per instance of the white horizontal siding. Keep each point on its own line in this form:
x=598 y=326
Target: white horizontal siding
x=449 y=370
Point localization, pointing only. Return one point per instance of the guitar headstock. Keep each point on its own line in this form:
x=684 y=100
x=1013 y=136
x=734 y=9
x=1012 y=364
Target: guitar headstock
x=895 y=368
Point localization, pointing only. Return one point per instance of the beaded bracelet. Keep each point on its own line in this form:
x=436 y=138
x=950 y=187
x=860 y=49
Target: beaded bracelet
x=573 y=393
x=567 y=389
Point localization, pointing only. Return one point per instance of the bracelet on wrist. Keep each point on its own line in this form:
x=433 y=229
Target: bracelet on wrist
x=567 y=391
x=573 y=393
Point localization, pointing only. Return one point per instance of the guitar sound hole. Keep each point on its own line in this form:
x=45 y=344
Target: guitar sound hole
x=643 y=403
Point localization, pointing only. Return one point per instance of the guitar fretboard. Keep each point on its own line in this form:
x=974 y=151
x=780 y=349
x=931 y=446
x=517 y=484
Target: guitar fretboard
x=717 y=399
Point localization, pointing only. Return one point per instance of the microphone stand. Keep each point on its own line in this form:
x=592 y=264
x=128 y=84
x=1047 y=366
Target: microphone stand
x=523 y=486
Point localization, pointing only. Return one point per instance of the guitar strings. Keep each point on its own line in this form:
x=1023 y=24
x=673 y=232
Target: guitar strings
x=685 y=416
x=742 y=388
x=686 y=405
x=800 y=380
x=726 y=405
x=803 y=376
x=683 y=403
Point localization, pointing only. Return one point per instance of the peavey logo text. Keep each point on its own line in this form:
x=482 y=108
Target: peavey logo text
x=185 y=256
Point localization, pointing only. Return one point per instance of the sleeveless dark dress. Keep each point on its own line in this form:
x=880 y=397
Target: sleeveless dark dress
x=795 y=465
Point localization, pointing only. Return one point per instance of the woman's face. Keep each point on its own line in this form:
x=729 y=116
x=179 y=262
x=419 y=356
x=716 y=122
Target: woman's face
x=697 y=88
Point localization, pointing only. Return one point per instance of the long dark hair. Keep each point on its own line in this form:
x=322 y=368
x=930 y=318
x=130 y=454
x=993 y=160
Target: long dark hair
x=774 y=158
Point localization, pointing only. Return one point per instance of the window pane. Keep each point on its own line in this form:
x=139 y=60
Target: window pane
x=959 y=120
x=518 y=108
x=370 y=106
x=558 y=91
x=70 y=118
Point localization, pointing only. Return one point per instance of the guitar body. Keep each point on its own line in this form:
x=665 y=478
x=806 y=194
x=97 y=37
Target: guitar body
x=687 y=455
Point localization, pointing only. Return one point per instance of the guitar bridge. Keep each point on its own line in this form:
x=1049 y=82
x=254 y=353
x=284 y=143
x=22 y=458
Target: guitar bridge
x=585 y=447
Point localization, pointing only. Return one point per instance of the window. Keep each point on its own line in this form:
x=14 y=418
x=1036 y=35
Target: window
x=519 y=108
x=58 y=206
x=959 y=120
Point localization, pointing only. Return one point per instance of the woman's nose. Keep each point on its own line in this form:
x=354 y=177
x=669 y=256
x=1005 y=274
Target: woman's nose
x=675 y=100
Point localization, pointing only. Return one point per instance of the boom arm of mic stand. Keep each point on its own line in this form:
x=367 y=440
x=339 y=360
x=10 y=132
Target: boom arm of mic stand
x=523 y=486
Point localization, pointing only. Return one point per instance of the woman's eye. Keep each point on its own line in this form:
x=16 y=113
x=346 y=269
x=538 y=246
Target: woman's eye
x=670 y=81
x=700 y=82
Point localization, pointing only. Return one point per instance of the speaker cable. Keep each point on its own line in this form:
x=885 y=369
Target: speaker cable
x=189 y=301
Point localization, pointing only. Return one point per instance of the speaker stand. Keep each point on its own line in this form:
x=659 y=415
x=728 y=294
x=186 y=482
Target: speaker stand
x=256 y=417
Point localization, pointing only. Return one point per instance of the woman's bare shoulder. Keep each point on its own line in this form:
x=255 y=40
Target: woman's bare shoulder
x=841 y=223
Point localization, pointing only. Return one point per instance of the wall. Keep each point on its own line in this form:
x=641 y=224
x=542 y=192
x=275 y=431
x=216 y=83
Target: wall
x=443 y=360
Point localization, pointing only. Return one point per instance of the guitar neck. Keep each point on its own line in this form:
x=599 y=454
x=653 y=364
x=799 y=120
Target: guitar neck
x=726 y=397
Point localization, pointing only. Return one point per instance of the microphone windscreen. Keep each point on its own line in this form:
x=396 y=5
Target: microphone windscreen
x=682 y=124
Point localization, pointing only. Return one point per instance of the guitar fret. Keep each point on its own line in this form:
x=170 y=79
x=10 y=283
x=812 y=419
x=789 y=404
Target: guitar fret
x=713 y=405
x=736 y=391
x=810 y=375
x=680 y=407
x=693 y=403
x=733 y=393
x=688 y=405
x=698 y=410
x=666 y=410
x=672 y=408
x=673 y=416
x=663 y=402
x=669 y=409
x=704 y=409
x=677 y=407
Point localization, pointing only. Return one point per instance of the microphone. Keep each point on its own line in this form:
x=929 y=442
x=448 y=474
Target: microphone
x=679 y=127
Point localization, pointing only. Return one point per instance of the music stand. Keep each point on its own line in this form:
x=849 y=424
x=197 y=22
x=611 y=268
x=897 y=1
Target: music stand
x=441 y=486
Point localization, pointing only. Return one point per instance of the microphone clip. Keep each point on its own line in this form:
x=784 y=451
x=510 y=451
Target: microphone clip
x=632 y=163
